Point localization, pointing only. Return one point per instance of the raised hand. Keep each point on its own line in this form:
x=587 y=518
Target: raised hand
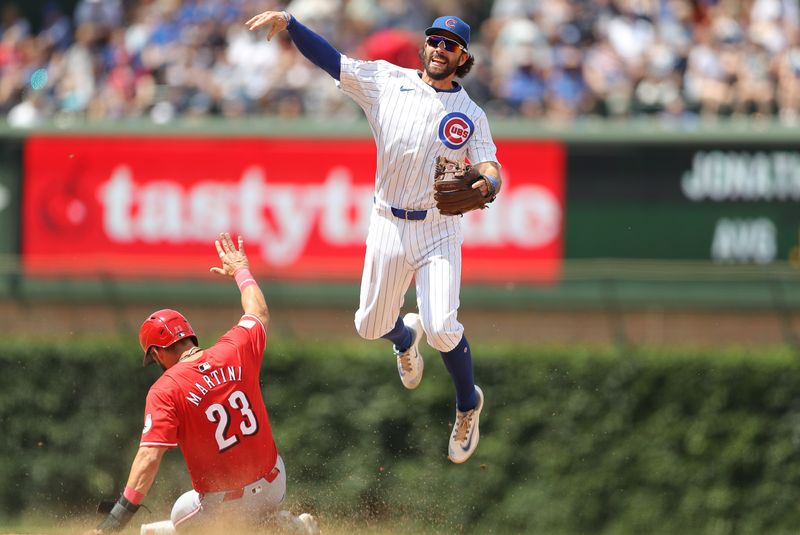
x=279 y=20
x=233 y=259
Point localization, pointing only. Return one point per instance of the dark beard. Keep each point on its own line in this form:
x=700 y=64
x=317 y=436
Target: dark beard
x=439 y=76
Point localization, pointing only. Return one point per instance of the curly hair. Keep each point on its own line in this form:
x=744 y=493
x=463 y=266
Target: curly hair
x=464 y=69
x=461 y=70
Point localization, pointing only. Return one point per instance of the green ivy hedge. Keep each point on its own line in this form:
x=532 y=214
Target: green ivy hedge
x=573 y=440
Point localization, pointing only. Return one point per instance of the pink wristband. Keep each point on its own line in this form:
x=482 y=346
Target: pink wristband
x=243 y=278
x=133 y=496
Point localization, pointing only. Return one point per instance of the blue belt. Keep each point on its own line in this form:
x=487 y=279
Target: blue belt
x=413 y=215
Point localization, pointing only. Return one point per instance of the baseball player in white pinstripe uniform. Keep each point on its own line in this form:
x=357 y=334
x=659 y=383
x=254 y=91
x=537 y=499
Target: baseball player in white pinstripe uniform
x=415 y=116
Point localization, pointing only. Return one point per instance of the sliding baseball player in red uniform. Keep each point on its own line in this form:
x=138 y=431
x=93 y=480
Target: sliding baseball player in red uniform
x=208 y=402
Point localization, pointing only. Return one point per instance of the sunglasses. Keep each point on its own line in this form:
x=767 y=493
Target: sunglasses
x=434 y=41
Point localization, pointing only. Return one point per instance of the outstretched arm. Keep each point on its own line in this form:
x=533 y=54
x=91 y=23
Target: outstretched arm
x=145 y=468
x=236 y=265
x=313 y=46
x=143 y=473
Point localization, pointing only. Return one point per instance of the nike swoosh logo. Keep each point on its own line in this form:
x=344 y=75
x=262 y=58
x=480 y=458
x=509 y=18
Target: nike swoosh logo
x=469 y=443
x=402 y=88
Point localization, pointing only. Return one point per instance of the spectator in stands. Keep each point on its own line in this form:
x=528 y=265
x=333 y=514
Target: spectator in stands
x=525 y=87
x=707 y=83
x=786 y=69
x=56 y=30
x=104 y=13
x=567 y=94
x=12 y=21
x=754 y=88
x=658 y=92
x=607 y=79
x=553 y=59
x=28 y=113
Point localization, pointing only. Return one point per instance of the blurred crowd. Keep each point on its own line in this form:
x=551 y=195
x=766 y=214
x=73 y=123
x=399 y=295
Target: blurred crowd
x=561 y=60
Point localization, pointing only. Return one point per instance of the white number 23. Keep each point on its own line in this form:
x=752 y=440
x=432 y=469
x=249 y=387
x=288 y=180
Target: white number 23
x=218 y=413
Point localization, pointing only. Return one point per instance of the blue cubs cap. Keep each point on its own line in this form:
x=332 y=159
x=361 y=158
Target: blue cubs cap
x=451 y=24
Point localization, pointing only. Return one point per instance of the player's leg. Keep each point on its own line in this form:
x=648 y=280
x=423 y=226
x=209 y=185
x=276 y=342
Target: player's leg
x=384 y=282
x=251 y=504
x=187 y=510
x=211 y=512
x=385 y=279
x=406 y=336
x=438 y=289
x=263 y=497
x=438 y=286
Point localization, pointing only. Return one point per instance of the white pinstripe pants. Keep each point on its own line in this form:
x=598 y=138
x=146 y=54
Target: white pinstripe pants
x=397 y=250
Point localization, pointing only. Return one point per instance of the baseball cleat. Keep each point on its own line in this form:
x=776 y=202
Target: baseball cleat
x=310 y=523
x=304 y=524
x=164 y=527
x=466 y=434
x=410 y=363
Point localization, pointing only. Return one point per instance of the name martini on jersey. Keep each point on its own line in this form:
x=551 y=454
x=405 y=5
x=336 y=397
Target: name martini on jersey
x=213 y=379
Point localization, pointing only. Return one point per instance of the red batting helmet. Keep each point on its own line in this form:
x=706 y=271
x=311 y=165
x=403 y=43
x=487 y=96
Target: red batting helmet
x=162 y=329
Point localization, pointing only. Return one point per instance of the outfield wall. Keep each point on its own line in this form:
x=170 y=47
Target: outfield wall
x=653 y=218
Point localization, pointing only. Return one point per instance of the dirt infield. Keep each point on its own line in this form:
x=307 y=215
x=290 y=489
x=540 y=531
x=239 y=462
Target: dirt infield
x=533 y=326
x=327 y=527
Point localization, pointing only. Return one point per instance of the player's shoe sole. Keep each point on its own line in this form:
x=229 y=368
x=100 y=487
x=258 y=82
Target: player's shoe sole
x=466 y=432
x=410 y=363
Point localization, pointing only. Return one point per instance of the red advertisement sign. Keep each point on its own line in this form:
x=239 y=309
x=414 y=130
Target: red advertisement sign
x=151 y=207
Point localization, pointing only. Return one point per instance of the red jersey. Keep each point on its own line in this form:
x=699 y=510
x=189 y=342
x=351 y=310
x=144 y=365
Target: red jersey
x=213 y=409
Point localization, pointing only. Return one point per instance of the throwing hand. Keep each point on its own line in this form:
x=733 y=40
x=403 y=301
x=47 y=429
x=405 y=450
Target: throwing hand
x=279 y=20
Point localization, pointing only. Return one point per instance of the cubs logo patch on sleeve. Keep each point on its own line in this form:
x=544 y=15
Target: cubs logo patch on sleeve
x=455 y=129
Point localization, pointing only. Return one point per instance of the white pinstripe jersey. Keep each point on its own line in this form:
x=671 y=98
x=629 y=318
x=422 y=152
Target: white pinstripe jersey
x=413 y=124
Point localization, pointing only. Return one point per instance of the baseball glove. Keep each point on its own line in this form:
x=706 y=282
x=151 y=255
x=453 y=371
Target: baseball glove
x=453 y=190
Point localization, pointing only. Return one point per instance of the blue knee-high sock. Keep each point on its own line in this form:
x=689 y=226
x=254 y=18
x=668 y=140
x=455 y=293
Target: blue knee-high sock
x=458 y=362
x=400 y=335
